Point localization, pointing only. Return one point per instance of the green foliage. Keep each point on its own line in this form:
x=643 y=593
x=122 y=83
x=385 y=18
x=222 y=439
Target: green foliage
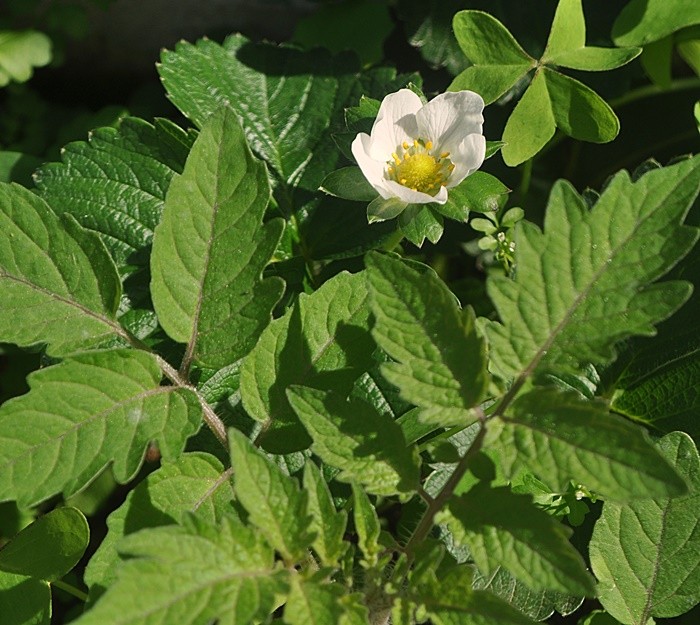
x=20 y=52
x=211 y=247
x=553 y=100
x=372 y=452
x=644 y=553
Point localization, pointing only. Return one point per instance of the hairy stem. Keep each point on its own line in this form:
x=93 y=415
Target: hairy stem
x=436 y=504
x=70 y=589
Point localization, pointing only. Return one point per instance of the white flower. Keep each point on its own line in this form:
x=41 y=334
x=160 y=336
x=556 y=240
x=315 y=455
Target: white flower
x=416 y=152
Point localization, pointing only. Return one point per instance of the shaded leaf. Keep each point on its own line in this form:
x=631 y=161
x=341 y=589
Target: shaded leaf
x=348 y=183
x=441 y=363
x=20 y=52
x=368 y=446
x=642 y=21
x=311 y=603
x=24 y=601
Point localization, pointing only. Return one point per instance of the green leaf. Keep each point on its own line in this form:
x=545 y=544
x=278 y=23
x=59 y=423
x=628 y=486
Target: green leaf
x=643 y=21
x=566 y=45
x=419 y=222
x=17 y=167
x=441 y=360
x=504 y=529
x=428 y=24
x=20 y=52
x=84 y=413
x=480 y=192
x=656 y=60
x=380 y=209
x=489 y=81
x=195 y=575
x=584 y=283
x=366 y=525
x=357 y=25
x=348 y=183
x=645 y=554
x=560 y=437
x=531 y=124
x=311 y=603
x=322 y=342
x=568 y=30
x=368 y=446
x=579 y=111
x=115 y=183
x=58 y=284
x=326 y=522
x=48 y=548
x=24 y=601
x=211 y=247
x=195 y=483
x=284 y=97
x=274 y=501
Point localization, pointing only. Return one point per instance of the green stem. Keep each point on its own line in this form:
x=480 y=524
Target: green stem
x=683 y=84
x=525 y=179
x=70 y=589
x=426 y=522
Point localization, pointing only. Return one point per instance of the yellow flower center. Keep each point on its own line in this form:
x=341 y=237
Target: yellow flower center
x=416 y=167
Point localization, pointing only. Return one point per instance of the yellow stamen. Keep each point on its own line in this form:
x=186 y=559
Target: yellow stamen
x=405 y=145
x=418 y=169
x=444 y=155
x=396 y=158
x=428 y=145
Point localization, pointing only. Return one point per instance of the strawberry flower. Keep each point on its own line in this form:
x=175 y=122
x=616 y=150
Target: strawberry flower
x=416 y=151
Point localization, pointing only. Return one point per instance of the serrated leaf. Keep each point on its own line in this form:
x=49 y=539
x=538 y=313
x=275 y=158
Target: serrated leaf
x=366 y=525
x=560 y=437
x=327 y=523
x=643 y=21
x=211 y=246
x=504 y=529
x=538 y=605
x=84 y=413
x=645 y=554
x=195 y=575
x=273 y=500
x=24 y=601
x=579 y=111
x=531 y=124
x=20 y=52
x=58 y=284
x=323 y=342
x=368 y=446
x=195 y=483
x=311 y=603
x=418 y=222
x=584 y=283
x=441 y=362
x=48 y=548
x=115 y=183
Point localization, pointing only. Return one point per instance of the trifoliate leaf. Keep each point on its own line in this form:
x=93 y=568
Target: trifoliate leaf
x=211 y=247
x=441 y=361
x=585 y=282
x=327 y=523
x=24 y=601
x=275 y=503
x=645 y=553
x=48 y=548
x=84 y=413
x=58 y=284
x=560 y=437
x=115 y=183
x=367 y=445
x=195 y=483
x=193 y=575
x=322 y=342
x=504 y=529
x=20 y=52
x=311 y=603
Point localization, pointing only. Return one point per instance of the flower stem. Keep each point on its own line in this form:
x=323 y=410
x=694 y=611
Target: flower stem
x=70 y=589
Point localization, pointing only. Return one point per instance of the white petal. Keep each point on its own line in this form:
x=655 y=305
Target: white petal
x=372 y=170
x=415 y=197
x=467 y=158
x=395 y=123
x=450 y=117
